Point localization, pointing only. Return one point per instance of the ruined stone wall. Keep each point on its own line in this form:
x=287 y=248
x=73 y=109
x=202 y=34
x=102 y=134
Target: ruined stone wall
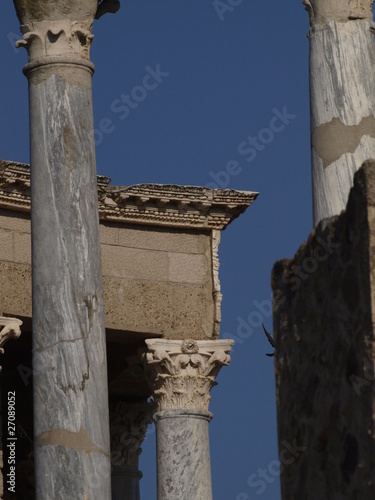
x=324 y=303
x=156 y=280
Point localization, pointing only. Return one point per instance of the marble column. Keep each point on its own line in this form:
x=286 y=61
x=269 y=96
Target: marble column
x=181 y=374
x=10 y=329
x=71 y=423
x=128 y=426
x=342 y=82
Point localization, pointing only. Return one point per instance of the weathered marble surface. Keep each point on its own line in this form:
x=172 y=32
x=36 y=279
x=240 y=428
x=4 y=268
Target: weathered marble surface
x=342 y=79
x=183 y=455
x=71 y=427
x=324 y=316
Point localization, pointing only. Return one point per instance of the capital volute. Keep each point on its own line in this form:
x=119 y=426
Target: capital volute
x=182 y=373
x=323 y=11
x=59 y=29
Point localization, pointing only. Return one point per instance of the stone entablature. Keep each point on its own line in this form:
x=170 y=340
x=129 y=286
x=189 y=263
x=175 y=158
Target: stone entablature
x=152 y=204
x=159 y=247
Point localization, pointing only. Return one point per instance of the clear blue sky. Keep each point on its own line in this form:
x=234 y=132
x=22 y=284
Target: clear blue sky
x=221 y=82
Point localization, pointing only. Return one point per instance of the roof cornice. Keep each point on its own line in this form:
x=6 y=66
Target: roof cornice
x=147 y=204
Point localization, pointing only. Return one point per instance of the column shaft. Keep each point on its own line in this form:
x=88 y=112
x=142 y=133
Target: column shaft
x=183 y=455
x=182 y=374
x=69 y=357
x=342 y=79
x=71 y=426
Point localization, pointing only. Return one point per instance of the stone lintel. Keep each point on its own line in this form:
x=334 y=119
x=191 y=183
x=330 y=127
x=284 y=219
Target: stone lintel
x=190 y=207
x=182 y=373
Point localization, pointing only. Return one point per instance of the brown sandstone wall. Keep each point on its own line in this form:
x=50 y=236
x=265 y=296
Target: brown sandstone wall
x=324 y=302
x=156 y=280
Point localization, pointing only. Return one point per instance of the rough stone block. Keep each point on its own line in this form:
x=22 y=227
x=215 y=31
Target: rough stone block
x=134 y=263
x=6 y=245
x=178 y=311
x=22 y=248
x=15 y=222
x=185 y=268
x=15 y=289
x=167 y=240
x=109 y=235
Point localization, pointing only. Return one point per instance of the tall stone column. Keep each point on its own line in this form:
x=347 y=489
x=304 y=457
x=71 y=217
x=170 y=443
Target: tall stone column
x=71 y=425
x=342 y=82
x=181 y=374
x=128 y=426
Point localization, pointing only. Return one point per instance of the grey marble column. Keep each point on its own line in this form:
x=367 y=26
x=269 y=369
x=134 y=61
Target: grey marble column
x=128 y=426
x=181 y=374
x=71 y=425
x=342 y=82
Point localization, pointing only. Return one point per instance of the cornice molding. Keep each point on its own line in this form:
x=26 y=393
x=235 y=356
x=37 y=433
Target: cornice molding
x=146 y=204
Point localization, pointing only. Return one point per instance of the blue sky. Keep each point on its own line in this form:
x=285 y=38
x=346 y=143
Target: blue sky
x=223 y=81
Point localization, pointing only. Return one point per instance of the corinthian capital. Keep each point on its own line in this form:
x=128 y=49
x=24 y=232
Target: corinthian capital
x=10 y=329
x=323 y=11
x=128 y=426
x=58 y=28
x=182 y=373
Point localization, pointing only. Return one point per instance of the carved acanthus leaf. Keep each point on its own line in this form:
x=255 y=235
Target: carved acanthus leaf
x=128 y=426
x=182 y=374
x=56 y=38
x=324 y=11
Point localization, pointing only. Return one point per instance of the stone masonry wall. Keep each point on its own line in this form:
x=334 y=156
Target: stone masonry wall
x=156 y=280
x=324 y=312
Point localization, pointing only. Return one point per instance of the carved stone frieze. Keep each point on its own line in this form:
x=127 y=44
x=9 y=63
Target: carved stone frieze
x=182 y=374
x=128 y=426
x=218 y=296
x=323 y=11
x=154 y=204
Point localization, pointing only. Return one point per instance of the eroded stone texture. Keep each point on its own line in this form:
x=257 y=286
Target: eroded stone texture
x=324 y=312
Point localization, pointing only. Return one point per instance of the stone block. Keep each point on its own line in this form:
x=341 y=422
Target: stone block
x=15 y=221
x=109 y=235
x=134 y=263
x=22 y=248
x=6 y=245
x=15 y=289
x=175 y=310
x=184 y=268
x=167 y=240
